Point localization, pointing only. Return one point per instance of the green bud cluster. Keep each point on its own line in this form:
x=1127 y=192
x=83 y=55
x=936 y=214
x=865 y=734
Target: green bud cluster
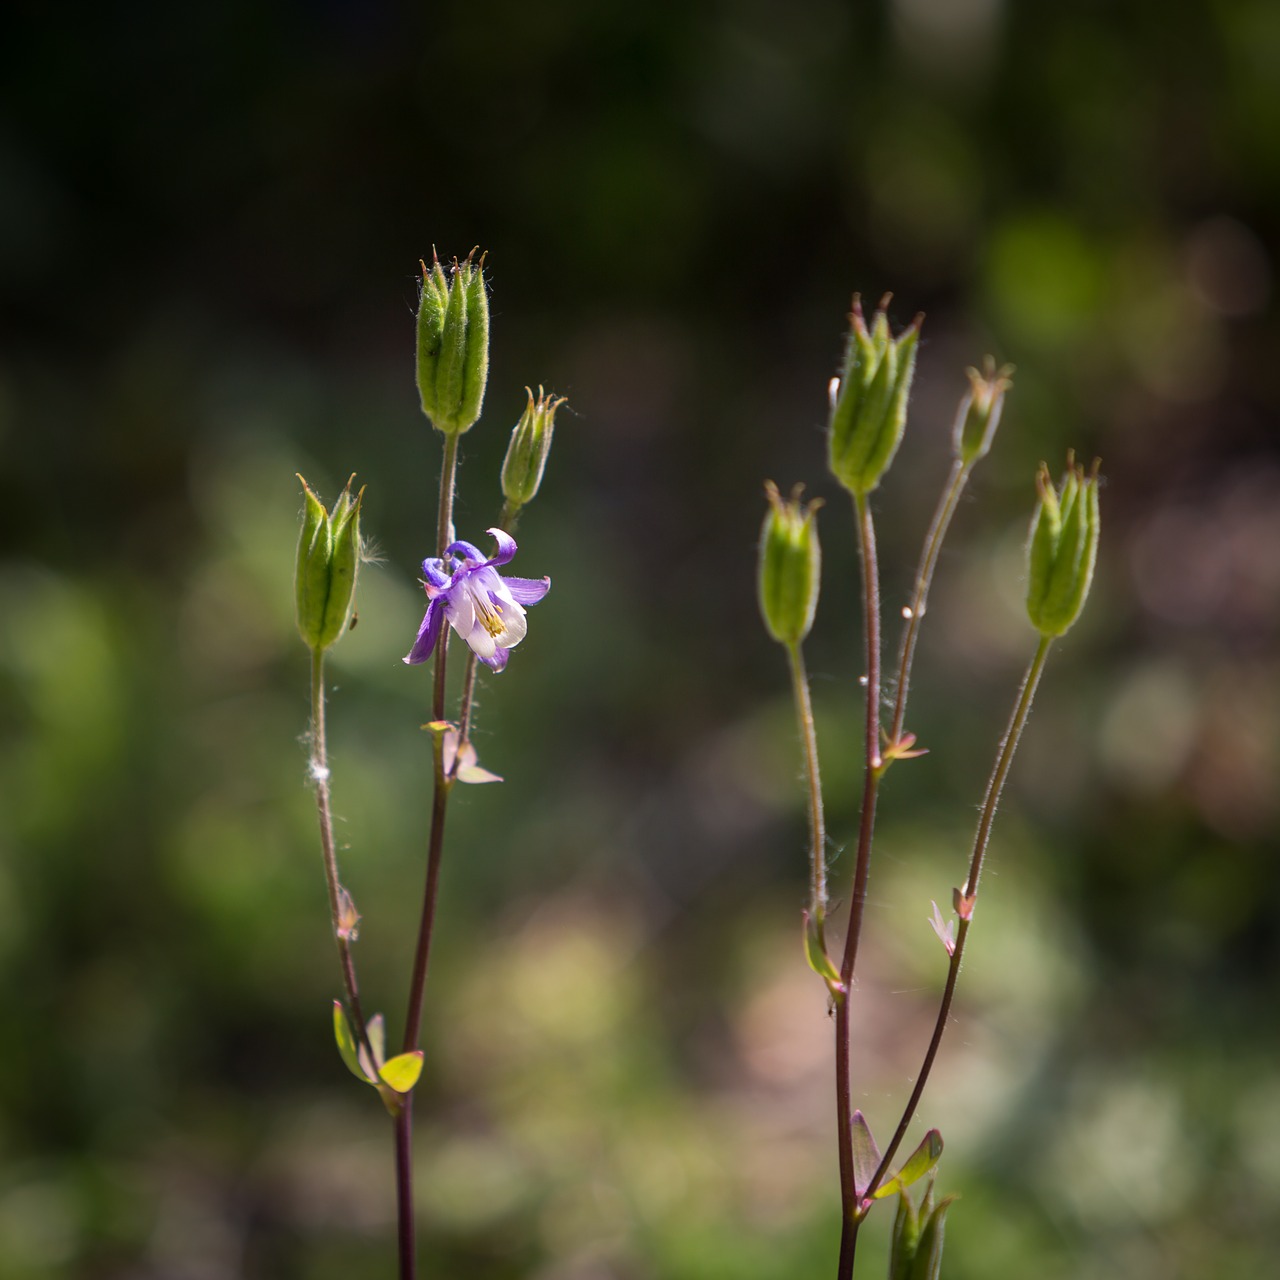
x=979 y=413
x=328 y=558
x=453 y=343
x=790 y=566
x=1062 y=548
x=869 y=399
x=527 y=453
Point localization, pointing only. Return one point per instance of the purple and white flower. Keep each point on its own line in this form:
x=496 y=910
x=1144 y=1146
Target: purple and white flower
x=486 y=608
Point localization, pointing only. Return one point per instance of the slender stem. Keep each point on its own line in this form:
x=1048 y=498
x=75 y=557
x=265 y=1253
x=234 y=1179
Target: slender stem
x=924 y=577
x=448 y=478
x=817 y=828
x=404 y=1188
x=872 y=769
x=1004 y=759
x=435 y=850
x=320 y=774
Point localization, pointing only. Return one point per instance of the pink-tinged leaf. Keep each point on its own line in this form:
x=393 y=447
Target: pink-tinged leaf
x=402 y=1071
x=918 y=1163
x=945 y=929
x=866 y=1154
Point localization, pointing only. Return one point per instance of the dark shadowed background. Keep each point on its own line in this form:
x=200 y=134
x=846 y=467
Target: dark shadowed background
x=210 y=223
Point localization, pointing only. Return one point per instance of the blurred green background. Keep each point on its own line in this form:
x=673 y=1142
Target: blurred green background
x=210 y=221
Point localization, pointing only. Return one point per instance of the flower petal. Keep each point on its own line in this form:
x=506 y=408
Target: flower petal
x=433 y=572
x=461 y=608
x=527 y=590
x=506 y=545
x=496 y=660
x=515 y=624
x=428 y=634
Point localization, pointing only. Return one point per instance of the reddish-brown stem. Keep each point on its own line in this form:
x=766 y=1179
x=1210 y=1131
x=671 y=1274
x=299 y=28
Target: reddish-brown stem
x=995 y=786
x=403 y=1122
x=862 y=868
x=431 y=888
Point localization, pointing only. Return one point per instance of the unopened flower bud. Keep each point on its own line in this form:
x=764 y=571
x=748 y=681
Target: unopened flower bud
x=979 y=412
x=790 y=566
x=527 y=453
x=328 y=557
x=869 y=404
x=453 y=343
x=1062 y=548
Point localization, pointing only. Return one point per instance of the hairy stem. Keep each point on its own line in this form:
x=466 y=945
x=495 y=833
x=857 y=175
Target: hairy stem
x=872 y=769
x=320 y=775
x=924 y=577
x=995 y=786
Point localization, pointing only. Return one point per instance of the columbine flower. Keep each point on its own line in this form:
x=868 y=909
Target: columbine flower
x=485 y=608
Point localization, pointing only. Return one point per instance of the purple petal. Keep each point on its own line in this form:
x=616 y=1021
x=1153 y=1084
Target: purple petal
x=527 y=590
x=506 y=545
x=467 y=550
x=428 y=634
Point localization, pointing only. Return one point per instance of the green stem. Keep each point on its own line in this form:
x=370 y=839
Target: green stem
x=872 y=771
x=995 y=786
x=817 y=828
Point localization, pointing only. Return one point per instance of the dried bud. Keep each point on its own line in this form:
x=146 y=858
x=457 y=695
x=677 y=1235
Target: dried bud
x=790 y=566
x=1062 y=548
x=527 y=453
x=328 y=557
x=979 y=413
x=869 y=399
x=453 y=343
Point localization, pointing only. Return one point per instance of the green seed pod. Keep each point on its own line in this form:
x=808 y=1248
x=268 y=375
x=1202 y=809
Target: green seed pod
x=1062 y=548
x=328 y=559
x=453 y=343
x=790 y=566
x=869 y=399
x=979 y=412
x=527 y=453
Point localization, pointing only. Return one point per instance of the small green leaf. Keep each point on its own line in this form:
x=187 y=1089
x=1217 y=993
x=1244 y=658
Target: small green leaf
x=402 y=1072
x=815 y=950
x=347 y=1044
x=921 y=1160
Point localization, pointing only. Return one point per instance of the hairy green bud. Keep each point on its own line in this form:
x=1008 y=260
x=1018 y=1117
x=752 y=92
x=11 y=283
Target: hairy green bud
x=979 y=412
x=1062 y=547
x=453 y=343
x=328 y=559
x=527 y=453
x=790 y=566
x=869 y=399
